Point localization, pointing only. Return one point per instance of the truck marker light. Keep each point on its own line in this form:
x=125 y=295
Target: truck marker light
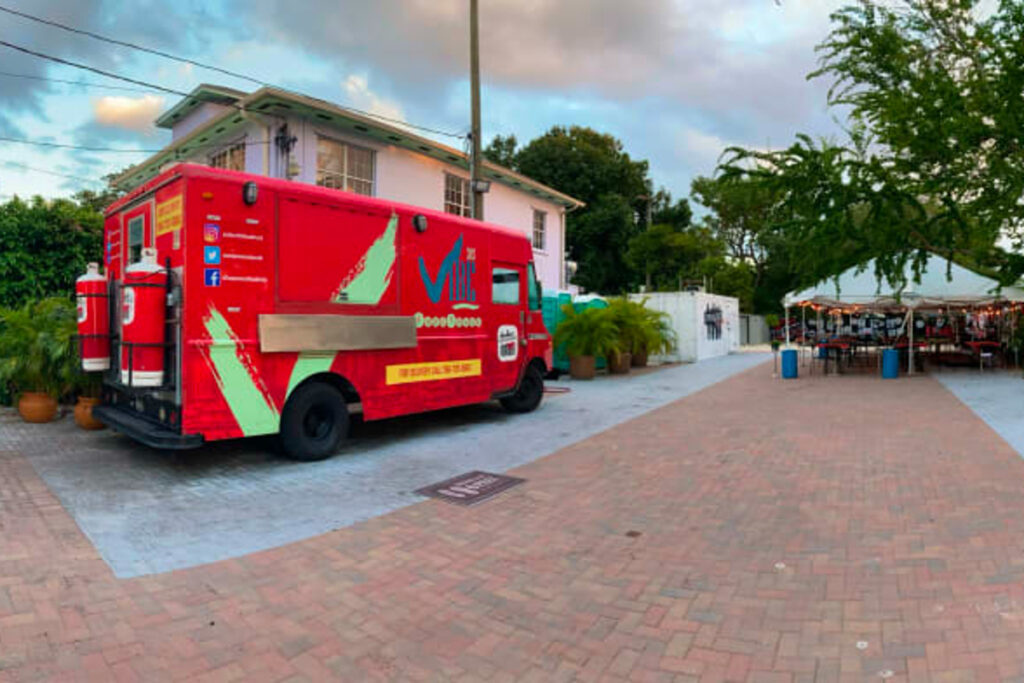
x=250 y=193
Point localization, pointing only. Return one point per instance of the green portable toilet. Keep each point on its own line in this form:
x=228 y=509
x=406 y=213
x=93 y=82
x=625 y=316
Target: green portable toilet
x=551 y=308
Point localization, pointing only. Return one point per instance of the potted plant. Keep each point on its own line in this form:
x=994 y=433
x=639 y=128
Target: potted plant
x=629 y=323
x=586 y=335
x=656 y=334
x=36 y=355
x=87 y=386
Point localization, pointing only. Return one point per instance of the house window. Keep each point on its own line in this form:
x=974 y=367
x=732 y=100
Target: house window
x=344 y=167
x=457 y=195
x=230 y=158
x=539 y=229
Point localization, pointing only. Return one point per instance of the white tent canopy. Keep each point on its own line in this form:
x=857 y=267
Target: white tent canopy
x=942 y=284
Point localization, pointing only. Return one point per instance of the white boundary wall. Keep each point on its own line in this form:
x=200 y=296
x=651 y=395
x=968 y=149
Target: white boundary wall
x=692 y=315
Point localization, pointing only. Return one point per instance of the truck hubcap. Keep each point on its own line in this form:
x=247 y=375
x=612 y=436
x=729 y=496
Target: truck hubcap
x=318 y=422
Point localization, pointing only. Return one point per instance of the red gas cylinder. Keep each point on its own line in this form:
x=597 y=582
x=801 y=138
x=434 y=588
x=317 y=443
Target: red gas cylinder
x=93 y=319
x=143 y=309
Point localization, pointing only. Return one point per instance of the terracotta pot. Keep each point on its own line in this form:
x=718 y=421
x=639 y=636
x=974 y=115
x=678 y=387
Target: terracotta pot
x=639 y=359
x=582 y=367
x=34 y=406
x=83 y=413
x=619 y=363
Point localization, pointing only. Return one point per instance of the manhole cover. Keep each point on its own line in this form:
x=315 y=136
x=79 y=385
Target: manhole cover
x=470 y=488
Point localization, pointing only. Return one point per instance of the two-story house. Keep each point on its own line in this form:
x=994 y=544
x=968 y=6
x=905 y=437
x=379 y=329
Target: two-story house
x=282 y=134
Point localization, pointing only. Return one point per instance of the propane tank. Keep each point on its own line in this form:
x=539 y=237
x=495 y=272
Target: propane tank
x=93 y=319
x=143 y=312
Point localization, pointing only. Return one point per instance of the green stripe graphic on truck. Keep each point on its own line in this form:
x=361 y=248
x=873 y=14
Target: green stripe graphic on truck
x=369 y=279
x=250 y=405
x=308 y=364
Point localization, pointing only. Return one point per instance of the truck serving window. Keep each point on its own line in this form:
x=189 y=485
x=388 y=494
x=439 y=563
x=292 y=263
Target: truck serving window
x=135 y=234
x=534 y=286
x=505 y=288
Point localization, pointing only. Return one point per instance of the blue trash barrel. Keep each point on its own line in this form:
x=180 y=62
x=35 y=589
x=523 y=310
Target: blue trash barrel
x=789 y=364
x=890 y=364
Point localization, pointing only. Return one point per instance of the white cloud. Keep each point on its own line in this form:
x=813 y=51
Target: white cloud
x=132 y=113
x=358 y=94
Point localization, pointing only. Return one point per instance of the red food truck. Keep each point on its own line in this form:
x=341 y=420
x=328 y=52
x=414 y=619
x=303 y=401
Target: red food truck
x=236 y=305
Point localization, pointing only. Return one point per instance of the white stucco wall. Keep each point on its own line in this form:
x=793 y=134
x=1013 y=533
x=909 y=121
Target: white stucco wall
x=686 y=314
x=195 y=118
x=411 y=178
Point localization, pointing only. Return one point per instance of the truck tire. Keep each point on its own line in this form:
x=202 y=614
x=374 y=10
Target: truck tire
x=314 y=422
x=528 y=394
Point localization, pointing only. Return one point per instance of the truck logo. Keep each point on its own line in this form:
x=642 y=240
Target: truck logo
x=454 y=272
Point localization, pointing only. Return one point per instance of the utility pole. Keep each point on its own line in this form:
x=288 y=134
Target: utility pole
x=475 y=162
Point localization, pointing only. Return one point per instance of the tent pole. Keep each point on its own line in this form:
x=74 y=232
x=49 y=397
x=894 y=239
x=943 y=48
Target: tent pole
x=803 y=323
x=910 y=356
x=787 y=327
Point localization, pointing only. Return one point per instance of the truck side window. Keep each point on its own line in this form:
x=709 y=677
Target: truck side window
x=135 y=234
x=534 y=286
x=505 y=286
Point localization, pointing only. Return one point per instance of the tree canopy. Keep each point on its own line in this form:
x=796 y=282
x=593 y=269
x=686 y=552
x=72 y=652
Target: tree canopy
x=44 y=246
x=932 y=156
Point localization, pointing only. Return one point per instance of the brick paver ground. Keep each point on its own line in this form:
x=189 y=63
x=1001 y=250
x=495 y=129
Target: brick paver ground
x=825 y=529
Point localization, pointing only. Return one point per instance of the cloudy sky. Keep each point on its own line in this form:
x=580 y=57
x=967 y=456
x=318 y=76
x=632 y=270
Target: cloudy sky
x=675 y=80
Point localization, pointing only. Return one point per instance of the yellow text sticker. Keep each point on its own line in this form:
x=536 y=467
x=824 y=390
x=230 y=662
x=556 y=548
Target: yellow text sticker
x=169 y=215
x=426 y=372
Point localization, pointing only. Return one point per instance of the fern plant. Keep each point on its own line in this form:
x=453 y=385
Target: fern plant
x=591 y=332
x=37 y=350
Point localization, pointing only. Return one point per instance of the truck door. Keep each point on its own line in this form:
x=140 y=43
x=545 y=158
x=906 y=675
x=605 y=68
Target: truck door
x=508 y=333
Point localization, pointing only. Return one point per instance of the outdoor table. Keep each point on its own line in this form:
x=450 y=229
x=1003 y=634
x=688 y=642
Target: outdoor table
x=839 y=348
x=904 y=346
x=980 y=348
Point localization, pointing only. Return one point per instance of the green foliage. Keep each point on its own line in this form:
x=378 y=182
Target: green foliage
x=598 y=240
x=37 y=349
x=591 y=332
x=594 y=168
x=641 y=329
x=930 y=163
x=45 y=246
x=666 y=256
x=502 y=150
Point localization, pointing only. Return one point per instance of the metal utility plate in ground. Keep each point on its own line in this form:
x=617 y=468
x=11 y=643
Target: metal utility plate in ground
x=470 y=488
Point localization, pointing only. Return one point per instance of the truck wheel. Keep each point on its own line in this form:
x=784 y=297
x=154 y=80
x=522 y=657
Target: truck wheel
x=528 y=394
x=314 y=422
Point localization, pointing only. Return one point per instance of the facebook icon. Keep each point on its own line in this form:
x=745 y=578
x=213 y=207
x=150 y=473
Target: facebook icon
x=212 y=277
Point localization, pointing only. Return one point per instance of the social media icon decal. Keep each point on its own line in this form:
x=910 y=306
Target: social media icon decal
x=212 y=277
x=211 y=232
x=211 y=255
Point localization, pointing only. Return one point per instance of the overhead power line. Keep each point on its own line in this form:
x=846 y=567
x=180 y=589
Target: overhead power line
x=114 y=41
x=185 y=60
x=122 y=150
x=84 y=84
x=16 y=164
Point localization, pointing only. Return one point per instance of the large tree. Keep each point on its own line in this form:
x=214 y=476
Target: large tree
x=934 y=160
x=595 y=168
